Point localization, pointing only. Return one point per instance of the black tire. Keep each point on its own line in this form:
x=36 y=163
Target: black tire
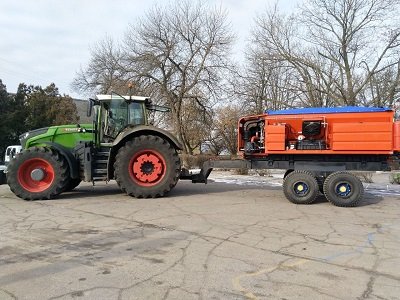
x=300 y=187
x=320 y=181
x=343 y=189
x=52 y=166
x=71 y=184
x=147 y=167
x=2 y=177
x=287 y=173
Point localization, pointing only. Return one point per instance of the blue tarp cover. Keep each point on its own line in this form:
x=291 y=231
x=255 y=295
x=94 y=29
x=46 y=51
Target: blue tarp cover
x=326 y=110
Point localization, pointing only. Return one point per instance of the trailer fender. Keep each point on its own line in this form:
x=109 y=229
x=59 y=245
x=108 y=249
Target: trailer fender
x=287 y=173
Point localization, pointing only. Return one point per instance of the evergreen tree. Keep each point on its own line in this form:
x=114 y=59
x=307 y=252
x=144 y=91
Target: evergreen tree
x=46 y=107
x=30 y=108
x=12 y=118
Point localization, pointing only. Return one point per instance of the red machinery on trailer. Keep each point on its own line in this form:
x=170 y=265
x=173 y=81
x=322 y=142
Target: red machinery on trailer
x=317 y=147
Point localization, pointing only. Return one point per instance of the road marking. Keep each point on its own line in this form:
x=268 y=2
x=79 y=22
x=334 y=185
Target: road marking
x=236 y=281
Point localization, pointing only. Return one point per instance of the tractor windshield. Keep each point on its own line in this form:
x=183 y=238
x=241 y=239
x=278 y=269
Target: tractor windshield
x=121 y=114
x=126 y=114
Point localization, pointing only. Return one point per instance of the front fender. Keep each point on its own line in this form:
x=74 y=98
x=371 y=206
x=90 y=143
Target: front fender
x=69 y=157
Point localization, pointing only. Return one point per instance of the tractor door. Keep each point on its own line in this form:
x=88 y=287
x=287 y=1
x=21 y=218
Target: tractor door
x=119 y=114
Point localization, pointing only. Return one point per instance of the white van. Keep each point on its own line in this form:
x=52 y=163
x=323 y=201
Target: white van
x=11 y=151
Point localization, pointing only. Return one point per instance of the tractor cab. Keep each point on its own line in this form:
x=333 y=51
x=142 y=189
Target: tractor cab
x=115 y=113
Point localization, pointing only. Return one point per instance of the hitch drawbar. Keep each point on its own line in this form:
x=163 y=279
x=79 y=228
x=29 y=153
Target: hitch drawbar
x=201 y=175
x=196 y=176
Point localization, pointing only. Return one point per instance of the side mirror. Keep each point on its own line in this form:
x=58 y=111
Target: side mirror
x=91 y=103
x=160 y=108
x=89 y=108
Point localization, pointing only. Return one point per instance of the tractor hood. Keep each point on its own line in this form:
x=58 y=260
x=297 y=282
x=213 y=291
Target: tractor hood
x=64 y=135
x=30 y=134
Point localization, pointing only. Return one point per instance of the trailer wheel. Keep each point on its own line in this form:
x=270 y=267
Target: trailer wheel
x=147 y=167
x=37 y=173
x=287 y=173
x=343 y=189
x=300 y=187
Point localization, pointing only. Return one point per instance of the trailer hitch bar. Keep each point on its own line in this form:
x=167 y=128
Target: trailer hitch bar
x=201 y=175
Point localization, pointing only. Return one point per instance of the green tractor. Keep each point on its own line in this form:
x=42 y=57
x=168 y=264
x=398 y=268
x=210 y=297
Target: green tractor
x=120 y=145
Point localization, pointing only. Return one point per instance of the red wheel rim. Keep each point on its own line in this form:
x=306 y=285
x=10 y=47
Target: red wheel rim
x=25 y=178
x=147 y=168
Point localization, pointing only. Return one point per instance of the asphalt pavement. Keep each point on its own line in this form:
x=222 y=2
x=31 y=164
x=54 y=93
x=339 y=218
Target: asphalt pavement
x=214 y=241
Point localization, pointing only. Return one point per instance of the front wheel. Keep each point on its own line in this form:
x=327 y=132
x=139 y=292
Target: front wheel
x=71 y=184
x=343 y=189
x=147 y=167
x=37 y=173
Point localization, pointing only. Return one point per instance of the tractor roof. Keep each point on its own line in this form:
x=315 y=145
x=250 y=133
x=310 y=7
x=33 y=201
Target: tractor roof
x=114 y=96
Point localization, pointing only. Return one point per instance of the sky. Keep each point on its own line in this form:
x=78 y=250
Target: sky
x=45 y=41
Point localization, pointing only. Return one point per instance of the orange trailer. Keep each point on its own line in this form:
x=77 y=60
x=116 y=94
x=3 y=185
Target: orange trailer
x=344 y=130
x=317 y=147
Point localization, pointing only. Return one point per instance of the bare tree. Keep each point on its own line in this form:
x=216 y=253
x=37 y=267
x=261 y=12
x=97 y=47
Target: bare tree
x=328 y=50
x=104 y=73
x=383 y=88
x=344 y=31
x=196 y=123
x=294 y=74
x=225 y=125
x=177 y=54
x=265 y=84
x=181 y=50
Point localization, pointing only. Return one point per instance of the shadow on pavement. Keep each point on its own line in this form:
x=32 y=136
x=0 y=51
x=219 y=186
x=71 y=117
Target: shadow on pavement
x=183 y=188
x=186 y=188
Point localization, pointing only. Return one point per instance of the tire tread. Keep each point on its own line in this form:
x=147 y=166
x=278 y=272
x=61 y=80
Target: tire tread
x=123 y=157
x=60 y=167
x=338 y=202
x=287 y=190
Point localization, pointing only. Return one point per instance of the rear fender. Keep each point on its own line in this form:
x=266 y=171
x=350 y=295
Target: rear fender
x=130 y=133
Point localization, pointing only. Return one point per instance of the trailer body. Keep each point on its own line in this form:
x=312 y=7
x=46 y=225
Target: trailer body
x=326 y=131
x=317 y=147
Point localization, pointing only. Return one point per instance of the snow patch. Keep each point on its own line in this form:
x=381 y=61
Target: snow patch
x=276 y=180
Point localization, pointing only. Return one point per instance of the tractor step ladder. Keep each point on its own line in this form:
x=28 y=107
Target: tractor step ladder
x=100 y=160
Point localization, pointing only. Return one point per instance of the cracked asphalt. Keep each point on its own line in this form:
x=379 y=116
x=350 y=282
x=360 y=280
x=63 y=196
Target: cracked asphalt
x=215 y=241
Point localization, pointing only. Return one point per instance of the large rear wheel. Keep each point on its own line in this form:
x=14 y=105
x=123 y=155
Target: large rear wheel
x=147 y=167
x=343 y=189
x=300 y=187
x=37 y=173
